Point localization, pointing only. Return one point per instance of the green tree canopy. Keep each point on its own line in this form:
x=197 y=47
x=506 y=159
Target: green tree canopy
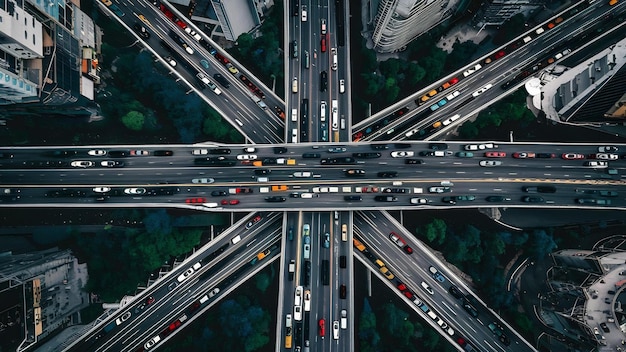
x=133 y=120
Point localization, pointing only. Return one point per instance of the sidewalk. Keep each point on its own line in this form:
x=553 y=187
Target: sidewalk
x=463 y=33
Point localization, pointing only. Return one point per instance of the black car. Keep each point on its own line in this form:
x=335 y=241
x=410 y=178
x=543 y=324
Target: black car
x=386 y=199
x=540 y=189
x=323 y=81
x=275 y=199
x=141 y=30
x=366 y=155
x=395 y=190
x=219 y=151
x=338 y=161
x=262 y=171
x=413 y=161
x=387 y=174
x=352 y=198
x=119 y=153
x=426 y=153
x=62 y=153
x=438 y=146
x=342 y=261
x=497 y=199
x=402 y=145
x=532 y=199
x=221 y=80
x=604 y=327
x=454 y=291
x=280 y=150
x=219 y=193
x=6 y=156
x=311 y=156
x=449 y=200
x=379 y=146
x=270 y=161
x=470 y=308
x=66 y=192
x=545 y=155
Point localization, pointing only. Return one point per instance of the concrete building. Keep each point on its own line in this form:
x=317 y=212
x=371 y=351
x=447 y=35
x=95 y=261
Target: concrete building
x=398 y=22
x=496 y=12
x=40 y=292
x=230 y=18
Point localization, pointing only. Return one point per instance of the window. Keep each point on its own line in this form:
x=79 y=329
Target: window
x=34 y=39
x=25 y=35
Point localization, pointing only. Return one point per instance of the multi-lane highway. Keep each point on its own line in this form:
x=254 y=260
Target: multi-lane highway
x=351 y=176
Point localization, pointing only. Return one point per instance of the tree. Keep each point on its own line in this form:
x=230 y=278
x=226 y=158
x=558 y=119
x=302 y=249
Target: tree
x=461 y=54
x=368 y=333
x=434 y=231
x=540 y=244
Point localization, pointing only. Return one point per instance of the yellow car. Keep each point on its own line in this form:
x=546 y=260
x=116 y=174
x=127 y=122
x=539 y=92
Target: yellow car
x=144 y=19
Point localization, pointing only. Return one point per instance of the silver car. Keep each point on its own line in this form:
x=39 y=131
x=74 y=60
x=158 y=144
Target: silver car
x=202 y=180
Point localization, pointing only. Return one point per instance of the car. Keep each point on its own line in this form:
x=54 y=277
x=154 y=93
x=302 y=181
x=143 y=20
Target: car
x=437 y=146
x=326 y=240
x=607 y=193
x=342 y=85
x=465 y=154
x=470 y=308
x=427 y=288
x=482 y=90
x=372 y=189
x=401 y=154
x=572 y=156
x=597 y=164
x=182 y=277
x=163 y=153
x=540 y=189
x=607 y=156
x=454 y=291
x=395 y=190
x=97 y=152
x=387 y=174
x=204 y=63
x=232 y=69
x=119 y=153
x=339 y=161
x=195 y=200
x=202 y=180
x=336 y=329
x=141 y=30
x=497 y=199
x=490 y=163
x=419 y=201
x=170 y=60
x=200 y=152
x=495 y=154
x=352 y=198
x=465 y=198
x=546 y=155
x=342 y=291
x=366 y=155
x=523 y=155
x=112 y=163
x=82 y=163
x=449 y=200
x=387 y=273
x=135 y=190
x=436 y=274
x=280 y=150
x=152 y=342
x=413 y=161
x=214 y=292
x=386 y=199
x=474 y=147
x=321 y=327
x=337 y=150
x=229 y=201
x=608 y=149
x=604 y=327
x=532 y=199
x=439 y=189
x=395 y=238
x=354 y=172
x=275 y=199
x=219 y=193
x=246 y=157
x=137 y=153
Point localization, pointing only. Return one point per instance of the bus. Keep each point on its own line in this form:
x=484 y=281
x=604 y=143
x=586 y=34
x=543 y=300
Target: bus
x=325 y=272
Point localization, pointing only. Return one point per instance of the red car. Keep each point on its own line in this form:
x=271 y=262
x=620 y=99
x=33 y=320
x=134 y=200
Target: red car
x=499 y=54
x=321 y=327
x=181 y=24
x=369 y=189
x=230 y=202
x=453 y=81
x=323 y=44
x=572 y=156
x=495 y=154
x=243 y=190
x=523 y=155
x=408 y=294
x=357 y=136
x=195 y=200
x=401 y=286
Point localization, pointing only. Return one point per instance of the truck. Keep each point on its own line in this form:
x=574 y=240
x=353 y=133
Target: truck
x=259 y=102
x=264 y=189
x=418 y=190
x=292 y=269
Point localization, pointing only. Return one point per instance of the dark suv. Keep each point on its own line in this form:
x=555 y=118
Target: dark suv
x=323 y=81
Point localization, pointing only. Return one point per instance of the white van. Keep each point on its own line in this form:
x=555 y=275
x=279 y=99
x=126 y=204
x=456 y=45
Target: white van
x=333 y=51
x=294 y=115
x=294 y=135
x=322 y=111
x=236 y=239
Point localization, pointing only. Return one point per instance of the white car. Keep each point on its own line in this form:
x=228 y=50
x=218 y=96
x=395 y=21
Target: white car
x=474 y=147
x=111 y=163
x=97 y=152
x=170 y=61
x=101 y=189
x=193 y=33
x=342 y=85
x=214 y=292
x=135 y=190
x=123 y=318
x=302 y=174
x=81 y=163
x=402 y=154
x=200 y=152
x=606 y=156
x=202 y=180
x=344 y=319
x=490 y=163
x=188 y=272
x=152 y=342
x=249 y=149
x=419 y=201
x=246 y=157
x=427 y=288
x=597 y=164
x=336 y=330
x=482 y=90
x=304 y=14
x=297 y=313
x=307 y=300
x=298 y=296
